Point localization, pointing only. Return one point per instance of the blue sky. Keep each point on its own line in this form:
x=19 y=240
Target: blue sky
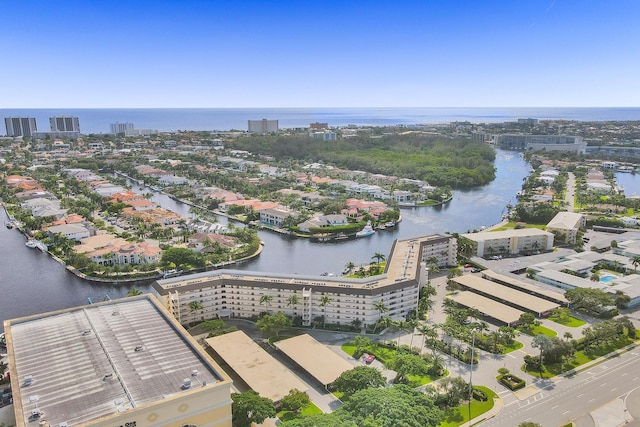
x=516 y=53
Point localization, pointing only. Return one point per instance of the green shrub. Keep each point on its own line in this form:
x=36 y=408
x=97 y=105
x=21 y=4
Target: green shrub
x=479 y=395
x=512 y=382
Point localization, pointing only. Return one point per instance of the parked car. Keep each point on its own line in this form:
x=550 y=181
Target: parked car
x=468 y=266
x=370 y=358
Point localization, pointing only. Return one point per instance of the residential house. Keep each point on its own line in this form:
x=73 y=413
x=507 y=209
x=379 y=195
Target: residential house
x=75 y=232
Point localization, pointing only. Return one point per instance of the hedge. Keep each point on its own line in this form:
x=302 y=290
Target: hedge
x=511 y=381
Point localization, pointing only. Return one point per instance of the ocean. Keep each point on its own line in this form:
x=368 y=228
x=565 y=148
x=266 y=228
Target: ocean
x=207 y=119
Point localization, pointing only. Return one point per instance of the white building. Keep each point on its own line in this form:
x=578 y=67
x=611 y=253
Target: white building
x=64 y=124
x=263 y=126
x=510 y=241
x=238 y=293
x=565 y=225
x=70 y=231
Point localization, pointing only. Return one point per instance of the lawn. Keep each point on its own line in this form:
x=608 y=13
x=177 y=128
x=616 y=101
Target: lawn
x=569 y=321
x=460 y=414
x=516 y=345
x=580 y=358
x=310 y=409
x=540 y=330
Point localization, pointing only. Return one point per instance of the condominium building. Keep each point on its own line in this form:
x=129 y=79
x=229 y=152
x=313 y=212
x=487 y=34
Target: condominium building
x=20 y=126
x=542 y=142
x=118 y=363
x=121 y=128
x=64 y=124
x=263 y=126
x=339 y=300
x=509 y=241
x=566 y=225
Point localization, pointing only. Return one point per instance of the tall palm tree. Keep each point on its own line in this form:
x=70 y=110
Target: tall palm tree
x=325 y=300
x=292 y=301
x=266 y=300
x=635 y=261
x=379 y=305
x=378 y=257
x=429 y=335
x=195 y=306
x=412 y=328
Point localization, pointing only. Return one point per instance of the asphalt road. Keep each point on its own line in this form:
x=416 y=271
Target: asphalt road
x=573 y=399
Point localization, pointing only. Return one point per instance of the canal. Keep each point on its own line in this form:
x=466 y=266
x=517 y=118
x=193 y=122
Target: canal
x=32 y=282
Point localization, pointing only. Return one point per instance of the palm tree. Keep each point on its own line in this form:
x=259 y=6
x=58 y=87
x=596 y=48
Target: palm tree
x=349 y=266
x=568 y=336
x=325 y=300
x=266 y=300
x=378 y=257
x=133 y=292
x=292 y=301
x=635 y=261
x=429 y=335
x=386 y=322
x=195 y=306
x=412 y=327
x=379 y=305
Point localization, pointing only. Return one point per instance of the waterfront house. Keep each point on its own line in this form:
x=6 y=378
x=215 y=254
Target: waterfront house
x=75 y=232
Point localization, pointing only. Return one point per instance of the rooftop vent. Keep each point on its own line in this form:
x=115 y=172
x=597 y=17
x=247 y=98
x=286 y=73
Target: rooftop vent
x=28 y=380
x=63 y=425
x=186 y=384
x=139 y=348
x=86 y=332
x=107 y=377
x=194 y=373
x=115 y=313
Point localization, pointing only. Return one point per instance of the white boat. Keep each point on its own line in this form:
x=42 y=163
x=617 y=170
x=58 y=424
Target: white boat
x=366 y=231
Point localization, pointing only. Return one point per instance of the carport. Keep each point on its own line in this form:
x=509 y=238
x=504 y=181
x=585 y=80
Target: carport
x=314 y=357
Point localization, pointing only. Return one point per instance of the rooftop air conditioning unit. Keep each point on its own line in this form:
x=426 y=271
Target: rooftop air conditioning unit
x=186 y=384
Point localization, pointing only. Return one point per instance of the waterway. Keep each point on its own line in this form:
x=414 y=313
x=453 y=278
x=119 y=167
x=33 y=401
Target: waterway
x=630 y=182
x=31 y=282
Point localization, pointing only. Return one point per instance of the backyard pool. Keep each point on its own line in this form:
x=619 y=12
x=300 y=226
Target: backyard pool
x=608 y=279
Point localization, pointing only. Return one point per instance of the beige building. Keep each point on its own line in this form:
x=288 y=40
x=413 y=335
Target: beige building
x=238 y=293
x=118 y=363
x=509 y=241
x=565 y=225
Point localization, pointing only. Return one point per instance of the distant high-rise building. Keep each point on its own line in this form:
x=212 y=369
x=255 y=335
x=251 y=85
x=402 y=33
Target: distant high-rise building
x=20 y=126
x=64 y=124
x=263 y=126
x=319 y=126
x=117 y=128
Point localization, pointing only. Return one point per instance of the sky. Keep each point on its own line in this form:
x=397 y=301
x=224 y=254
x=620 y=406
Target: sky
x=342 y=53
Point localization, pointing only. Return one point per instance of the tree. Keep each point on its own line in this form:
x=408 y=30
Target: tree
x=635 y=261
x=359 y=378
x=295 y=400
x=590 y=299
x=381 y=308
x=266 y=300
x=292 y=301
x=249 y=407
x=621 y=299
x=133 y=292
x=527 y=321
x=195 y=306
x=399 y=405
x=378 y=257
x=362 y=344
x=325 y=300
x=529 y=424
x=349 y=267
x=408 y=364
x=273 y=323
x=542 y=342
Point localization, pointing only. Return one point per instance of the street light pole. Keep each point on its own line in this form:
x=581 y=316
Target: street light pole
x=473 y=341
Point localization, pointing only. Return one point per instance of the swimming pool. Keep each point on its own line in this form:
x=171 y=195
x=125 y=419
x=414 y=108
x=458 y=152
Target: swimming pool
x=608 y=279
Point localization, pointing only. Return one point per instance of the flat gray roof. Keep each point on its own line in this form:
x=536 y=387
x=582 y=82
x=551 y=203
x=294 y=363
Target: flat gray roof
x=83 y=363
x=488 y=307
x=528 y=287
x=314 y=357
x=505 y=293
x=264 y=374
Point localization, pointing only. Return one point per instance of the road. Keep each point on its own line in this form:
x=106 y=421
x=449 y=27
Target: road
x=605 y=388
x=571 y=191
